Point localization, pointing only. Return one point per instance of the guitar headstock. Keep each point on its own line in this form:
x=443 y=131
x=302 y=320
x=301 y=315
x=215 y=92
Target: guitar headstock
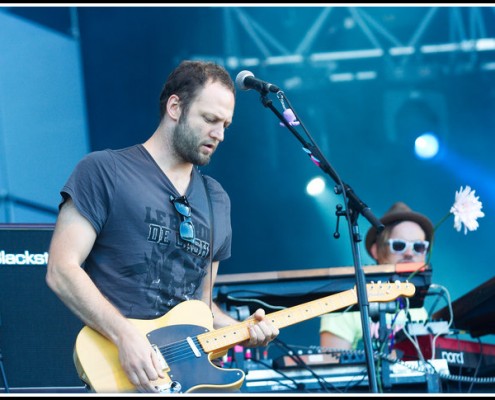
x=387 y=291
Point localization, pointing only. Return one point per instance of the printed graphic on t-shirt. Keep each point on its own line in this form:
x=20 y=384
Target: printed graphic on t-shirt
x=175 y=267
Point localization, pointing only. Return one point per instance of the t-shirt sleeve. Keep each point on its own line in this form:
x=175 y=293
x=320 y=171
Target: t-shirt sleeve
x=346 y=325
x=91 y=187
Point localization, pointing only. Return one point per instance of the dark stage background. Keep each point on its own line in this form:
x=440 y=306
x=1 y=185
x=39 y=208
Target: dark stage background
x=78 y=79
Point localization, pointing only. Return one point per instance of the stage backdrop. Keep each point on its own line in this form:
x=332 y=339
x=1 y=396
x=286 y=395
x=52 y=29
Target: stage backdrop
x=77 y=79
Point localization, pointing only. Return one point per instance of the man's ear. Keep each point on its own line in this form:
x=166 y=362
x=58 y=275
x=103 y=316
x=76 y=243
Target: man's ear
x=374 y=251
x=173 y=107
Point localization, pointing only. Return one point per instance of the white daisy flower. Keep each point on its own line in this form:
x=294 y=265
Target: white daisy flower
x=466 y=210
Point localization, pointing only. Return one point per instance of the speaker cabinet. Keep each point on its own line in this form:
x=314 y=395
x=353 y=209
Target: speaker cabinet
x=37 y=331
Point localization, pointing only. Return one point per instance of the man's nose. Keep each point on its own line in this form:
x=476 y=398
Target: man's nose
x=218 y=133
x=409 y=253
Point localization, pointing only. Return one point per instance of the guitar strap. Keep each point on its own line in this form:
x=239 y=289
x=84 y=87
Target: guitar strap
x=210 y=208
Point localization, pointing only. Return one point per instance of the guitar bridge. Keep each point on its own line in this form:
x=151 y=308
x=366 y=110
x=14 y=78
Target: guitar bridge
x=161 y=359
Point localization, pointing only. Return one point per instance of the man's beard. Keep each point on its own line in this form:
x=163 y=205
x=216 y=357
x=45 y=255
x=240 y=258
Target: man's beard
x=186 y=144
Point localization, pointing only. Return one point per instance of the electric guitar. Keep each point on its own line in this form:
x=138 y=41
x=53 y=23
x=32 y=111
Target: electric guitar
x=185 y=342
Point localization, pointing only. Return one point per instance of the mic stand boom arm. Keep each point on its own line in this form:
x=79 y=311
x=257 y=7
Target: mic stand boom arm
x=354 y=207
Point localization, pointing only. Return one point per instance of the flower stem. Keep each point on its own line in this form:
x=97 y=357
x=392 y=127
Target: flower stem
x=430 y=252
x=417 y=270
x=442 y=221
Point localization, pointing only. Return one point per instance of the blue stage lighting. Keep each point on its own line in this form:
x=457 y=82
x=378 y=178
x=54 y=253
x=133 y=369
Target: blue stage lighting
x=426 y=146
x=315 y=186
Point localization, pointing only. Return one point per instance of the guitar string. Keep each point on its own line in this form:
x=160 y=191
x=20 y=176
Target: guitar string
x=181 y=350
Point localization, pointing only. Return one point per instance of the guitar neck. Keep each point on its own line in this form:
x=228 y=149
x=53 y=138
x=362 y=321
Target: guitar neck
x=225 y=338
x=229 y=336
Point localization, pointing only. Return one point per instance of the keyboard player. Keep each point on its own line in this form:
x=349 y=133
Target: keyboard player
x=406 y=238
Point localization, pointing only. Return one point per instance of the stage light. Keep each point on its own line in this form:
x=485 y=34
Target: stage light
x=315 y=186
x=426 y=146
x=413 y=113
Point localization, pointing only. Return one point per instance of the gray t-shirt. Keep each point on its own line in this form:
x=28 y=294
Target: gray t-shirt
x=139 y=261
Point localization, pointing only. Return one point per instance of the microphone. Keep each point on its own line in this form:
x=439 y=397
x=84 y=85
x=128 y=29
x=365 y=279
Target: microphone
x=245 y=80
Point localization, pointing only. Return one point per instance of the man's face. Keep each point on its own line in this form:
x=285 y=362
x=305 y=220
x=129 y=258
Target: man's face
x=198 y=133
x=407 y=231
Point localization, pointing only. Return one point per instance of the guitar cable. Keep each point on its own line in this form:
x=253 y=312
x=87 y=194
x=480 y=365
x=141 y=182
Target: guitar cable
x=299 y=361
x=297 y=386
x=2 y=368
x=4 y=376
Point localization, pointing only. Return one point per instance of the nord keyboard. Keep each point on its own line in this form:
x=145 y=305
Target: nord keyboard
x=463 y=356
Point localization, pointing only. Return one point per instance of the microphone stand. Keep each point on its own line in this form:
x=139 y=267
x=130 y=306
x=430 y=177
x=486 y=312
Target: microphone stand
x=354 y=207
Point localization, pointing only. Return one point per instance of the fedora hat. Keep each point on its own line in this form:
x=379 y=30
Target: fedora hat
x=397 y=213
